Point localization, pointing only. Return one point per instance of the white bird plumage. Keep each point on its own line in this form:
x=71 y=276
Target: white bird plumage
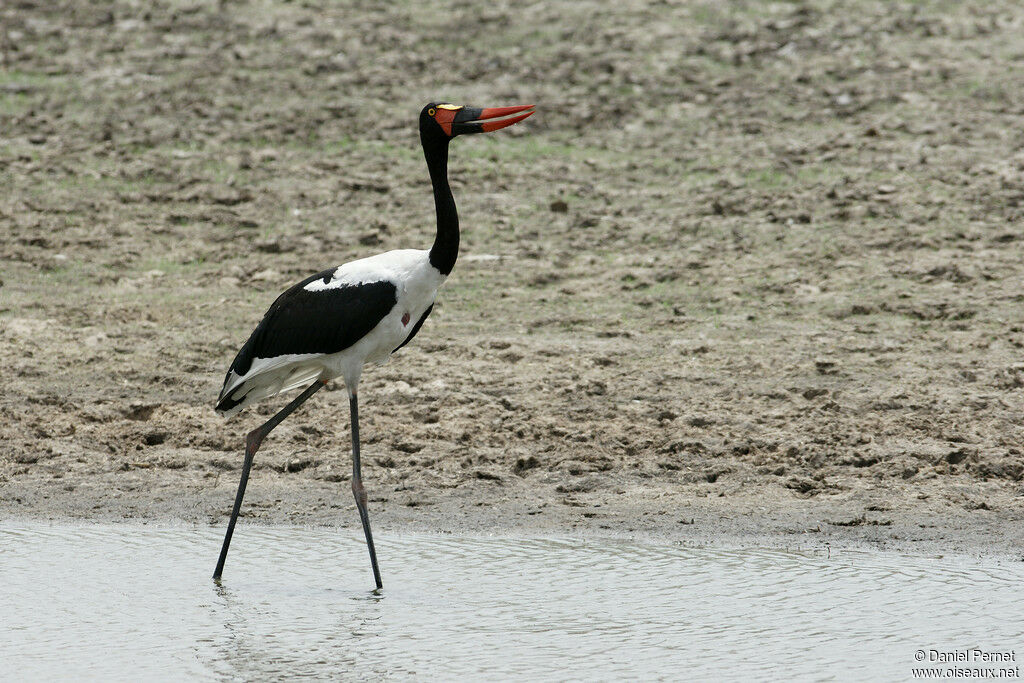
x=416 y=284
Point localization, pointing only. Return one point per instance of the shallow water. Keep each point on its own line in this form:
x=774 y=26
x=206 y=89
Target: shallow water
x=131 y=601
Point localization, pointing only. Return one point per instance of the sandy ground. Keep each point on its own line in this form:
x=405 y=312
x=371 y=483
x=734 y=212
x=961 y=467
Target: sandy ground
x=752 y=272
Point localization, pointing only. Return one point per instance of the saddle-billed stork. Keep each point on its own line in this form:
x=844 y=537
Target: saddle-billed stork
x=332 y=323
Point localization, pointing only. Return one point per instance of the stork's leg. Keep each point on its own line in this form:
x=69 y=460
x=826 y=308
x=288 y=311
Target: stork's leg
x=357 y=486
x=252 y=444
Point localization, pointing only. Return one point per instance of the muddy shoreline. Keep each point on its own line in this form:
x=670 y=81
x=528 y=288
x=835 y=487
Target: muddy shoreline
x=757 y=518
x=751 y=272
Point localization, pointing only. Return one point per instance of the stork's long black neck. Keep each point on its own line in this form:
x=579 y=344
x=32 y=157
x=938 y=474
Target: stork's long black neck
x=446 y=244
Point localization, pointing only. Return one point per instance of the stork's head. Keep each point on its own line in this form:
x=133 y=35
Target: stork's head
x=445 y=121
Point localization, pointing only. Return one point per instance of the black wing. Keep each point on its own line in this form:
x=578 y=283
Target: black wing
x=321 y=321
x=416 y=327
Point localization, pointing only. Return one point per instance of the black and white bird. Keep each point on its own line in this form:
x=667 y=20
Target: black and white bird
x=332 y=323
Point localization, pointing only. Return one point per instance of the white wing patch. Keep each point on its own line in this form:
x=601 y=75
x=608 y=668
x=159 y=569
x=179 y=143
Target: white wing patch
x=320 y=285
x=394 y=266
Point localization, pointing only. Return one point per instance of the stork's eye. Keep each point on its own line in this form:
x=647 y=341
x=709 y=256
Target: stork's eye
x=431 y=111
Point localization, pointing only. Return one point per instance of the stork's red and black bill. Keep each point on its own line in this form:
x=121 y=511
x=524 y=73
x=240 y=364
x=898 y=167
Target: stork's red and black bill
x=468 y=120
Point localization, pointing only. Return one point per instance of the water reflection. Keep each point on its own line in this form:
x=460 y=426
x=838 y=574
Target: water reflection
x=106 y=601
x=289 y=630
